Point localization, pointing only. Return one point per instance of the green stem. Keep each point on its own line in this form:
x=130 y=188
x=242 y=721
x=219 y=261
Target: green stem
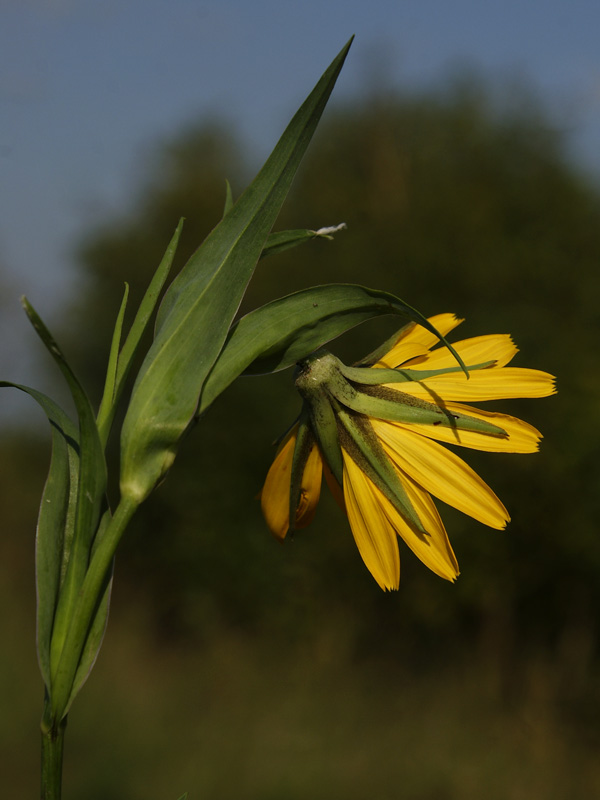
x=52 y=757
x=89 y=596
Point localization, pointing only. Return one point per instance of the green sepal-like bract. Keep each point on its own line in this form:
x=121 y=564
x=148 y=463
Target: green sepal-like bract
x=363 y=446
x=325 y=372
x=375 y=377
x=382 y=402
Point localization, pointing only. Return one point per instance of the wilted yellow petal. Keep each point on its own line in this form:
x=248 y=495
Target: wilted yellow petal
x=374 y=535
x=310 y=491
x=275 y=494
x=521 y=436
x=441 y=472
x=483 y=384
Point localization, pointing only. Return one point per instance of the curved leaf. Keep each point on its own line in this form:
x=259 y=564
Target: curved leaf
x=97 y=628
x=282 y=332
x=56 y=520
x=200 y=304
x=91 y=487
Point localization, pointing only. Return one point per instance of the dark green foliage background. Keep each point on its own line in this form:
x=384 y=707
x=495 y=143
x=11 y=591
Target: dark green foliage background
x=454 y=203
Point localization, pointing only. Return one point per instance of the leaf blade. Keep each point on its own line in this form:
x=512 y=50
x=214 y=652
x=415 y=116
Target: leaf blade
x=56 y=521
x=200 y=304
x=282 y=332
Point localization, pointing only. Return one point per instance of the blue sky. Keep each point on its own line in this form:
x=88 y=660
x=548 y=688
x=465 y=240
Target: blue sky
x=88 y=86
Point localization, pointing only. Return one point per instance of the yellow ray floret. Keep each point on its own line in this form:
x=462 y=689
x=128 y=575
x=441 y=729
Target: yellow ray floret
x=442 y=473
x=275 y=495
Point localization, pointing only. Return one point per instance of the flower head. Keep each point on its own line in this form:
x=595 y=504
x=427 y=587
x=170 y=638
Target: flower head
x=373 y=430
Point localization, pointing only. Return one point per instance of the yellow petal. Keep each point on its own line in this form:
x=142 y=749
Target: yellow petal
x=310 y=490
x=400 y=353
x=434 y=550
x=442 y=473
x=416 y=340
x=334 y=487
x=275 y=494
x=521 y=437
x=374 y=535
x=495 y=347
x=484 y=384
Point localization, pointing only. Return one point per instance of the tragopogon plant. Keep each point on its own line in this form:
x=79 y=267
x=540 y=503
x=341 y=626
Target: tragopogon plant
x=197 y=351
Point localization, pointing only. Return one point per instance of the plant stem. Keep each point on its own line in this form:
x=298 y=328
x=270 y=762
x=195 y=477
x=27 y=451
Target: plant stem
x=52 y=758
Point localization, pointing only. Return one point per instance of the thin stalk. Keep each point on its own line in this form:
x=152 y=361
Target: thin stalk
x=53 y=737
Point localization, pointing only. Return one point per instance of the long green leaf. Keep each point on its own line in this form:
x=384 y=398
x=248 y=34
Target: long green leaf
x=56 y=520
x=117 y=373
x=147 y=307
x=97 y=628
x=282 y=332
x=90 y=491
x=107 y=403
x=199 y=306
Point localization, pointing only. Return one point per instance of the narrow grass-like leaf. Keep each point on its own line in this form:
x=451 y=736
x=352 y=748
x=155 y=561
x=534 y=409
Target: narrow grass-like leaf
x=113 y=393
x=199 y=306
x=56 y=520
x=107 y=404
x=97 y=629
x=90 y=491
x=146 y=309
x=282 y=332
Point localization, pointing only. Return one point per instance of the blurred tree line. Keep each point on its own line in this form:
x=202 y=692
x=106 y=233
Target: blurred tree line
x=454 y=204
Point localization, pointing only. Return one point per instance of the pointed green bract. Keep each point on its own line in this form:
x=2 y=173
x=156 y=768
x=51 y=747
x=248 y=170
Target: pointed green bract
x=317 y=402
x=199 y=306
x=286 y=330
x=364 y=448
x=397 y=406
x=375 y=377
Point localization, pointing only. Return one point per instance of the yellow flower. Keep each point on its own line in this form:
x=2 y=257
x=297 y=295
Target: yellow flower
x=375 y=437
